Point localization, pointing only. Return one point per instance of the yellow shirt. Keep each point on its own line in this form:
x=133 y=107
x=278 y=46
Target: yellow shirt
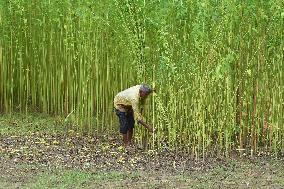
x=127 y=99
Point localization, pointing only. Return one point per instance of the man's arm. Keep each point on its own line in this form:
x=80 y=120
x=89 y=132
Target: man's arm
x=139 y=117
x=141 y=105
x=150 y=129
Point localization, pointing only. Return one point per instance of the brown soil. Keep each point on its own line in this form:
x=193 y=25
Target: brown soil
x=25 y=157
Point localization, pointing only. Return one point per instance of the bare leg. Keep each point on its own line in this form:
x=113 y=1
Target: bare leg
x=125 y=140
x=129 y=135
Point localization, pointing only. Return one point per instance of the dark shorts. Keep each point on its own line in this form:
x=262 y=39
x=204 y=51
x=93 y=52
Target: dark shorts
x=126 y=120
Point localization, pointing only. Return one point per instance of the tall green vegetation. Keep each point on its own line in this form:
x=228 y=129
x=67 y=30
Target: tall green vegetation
x=217 y=66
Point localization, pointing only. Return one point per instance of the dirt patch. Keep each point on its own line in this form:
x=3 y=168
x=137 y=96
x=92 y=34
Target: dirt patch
x=88 y=153
x=25 y=158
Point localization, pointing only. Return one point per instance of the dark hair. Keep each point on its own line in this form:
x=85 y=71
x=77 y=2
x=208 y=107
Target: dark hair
x=146 y=88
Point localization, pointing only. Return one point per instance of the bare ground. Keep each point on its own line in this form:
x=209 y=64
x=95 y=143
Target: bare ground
x=36 y=159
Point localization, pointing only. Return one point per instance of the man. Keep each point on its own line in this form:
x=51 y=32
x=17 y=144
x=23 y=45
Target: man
x=127 y=107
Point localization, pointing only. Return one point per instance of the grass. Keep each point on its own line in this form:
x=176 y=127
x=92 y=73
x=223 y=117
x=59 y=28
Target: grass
x=31 y=123
x=62 y=179
x=235 y=174
x=83 y=179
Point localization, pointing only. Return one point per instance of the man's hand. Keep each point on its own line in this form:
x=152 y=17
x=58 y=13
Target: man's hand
x=150 y=129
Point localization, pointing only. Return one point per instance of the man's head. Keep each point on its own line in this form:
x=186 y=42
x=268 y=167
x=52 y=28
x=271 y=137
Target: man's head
x=145 y=90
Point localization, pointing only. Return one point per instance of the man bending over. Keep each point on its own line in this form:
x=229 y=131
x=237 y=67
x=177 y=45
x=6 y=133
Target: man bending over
x=127 y=107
